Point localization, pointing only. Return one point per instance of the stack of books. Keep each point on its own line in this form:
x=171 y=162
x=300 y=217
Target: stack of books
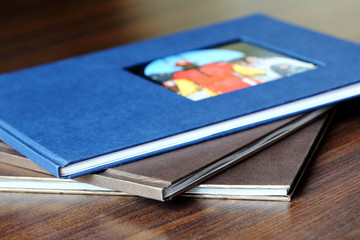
x=232 y=110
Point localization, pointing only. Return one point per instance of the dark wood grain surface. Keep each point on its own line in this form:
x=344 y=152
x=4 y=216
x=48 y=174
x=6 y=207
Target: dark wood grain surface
x=326 y=205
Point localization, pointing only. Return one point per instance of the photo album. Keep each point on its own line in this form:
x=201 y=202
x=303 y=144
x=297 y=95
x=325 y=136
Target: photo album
x=108 y=118
x=270 y=174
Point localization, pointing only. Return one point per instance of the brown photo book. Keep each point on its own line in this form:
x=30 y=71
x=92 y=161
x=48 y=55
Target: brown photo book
x=271 y=174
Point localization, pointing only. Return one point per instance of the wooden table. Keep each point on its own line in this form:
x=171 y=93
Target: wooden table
x=326 y=205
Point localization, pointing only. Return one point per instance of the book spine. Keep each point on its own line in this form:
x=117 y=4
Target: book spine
x=30 y=153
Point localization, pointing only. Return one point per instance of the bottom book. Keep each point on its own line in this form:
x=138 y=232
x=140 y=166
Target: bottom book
x=271 y=174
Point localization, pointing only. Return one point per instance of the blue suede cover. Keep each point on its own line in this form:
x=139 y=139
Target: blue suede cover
x=67 y=111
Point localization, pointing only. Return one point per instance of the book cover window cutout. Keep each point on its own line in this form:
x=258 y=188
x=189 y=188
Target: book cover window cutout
x=205 y=73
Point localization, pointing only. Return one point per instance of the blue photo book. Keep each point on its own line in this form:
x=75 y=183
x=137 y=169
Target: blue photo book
x=92 y=112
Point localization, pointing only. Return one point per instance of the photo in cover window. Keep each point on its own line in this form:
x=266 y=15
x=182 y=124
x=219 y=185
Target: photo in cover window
x=205 y=73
